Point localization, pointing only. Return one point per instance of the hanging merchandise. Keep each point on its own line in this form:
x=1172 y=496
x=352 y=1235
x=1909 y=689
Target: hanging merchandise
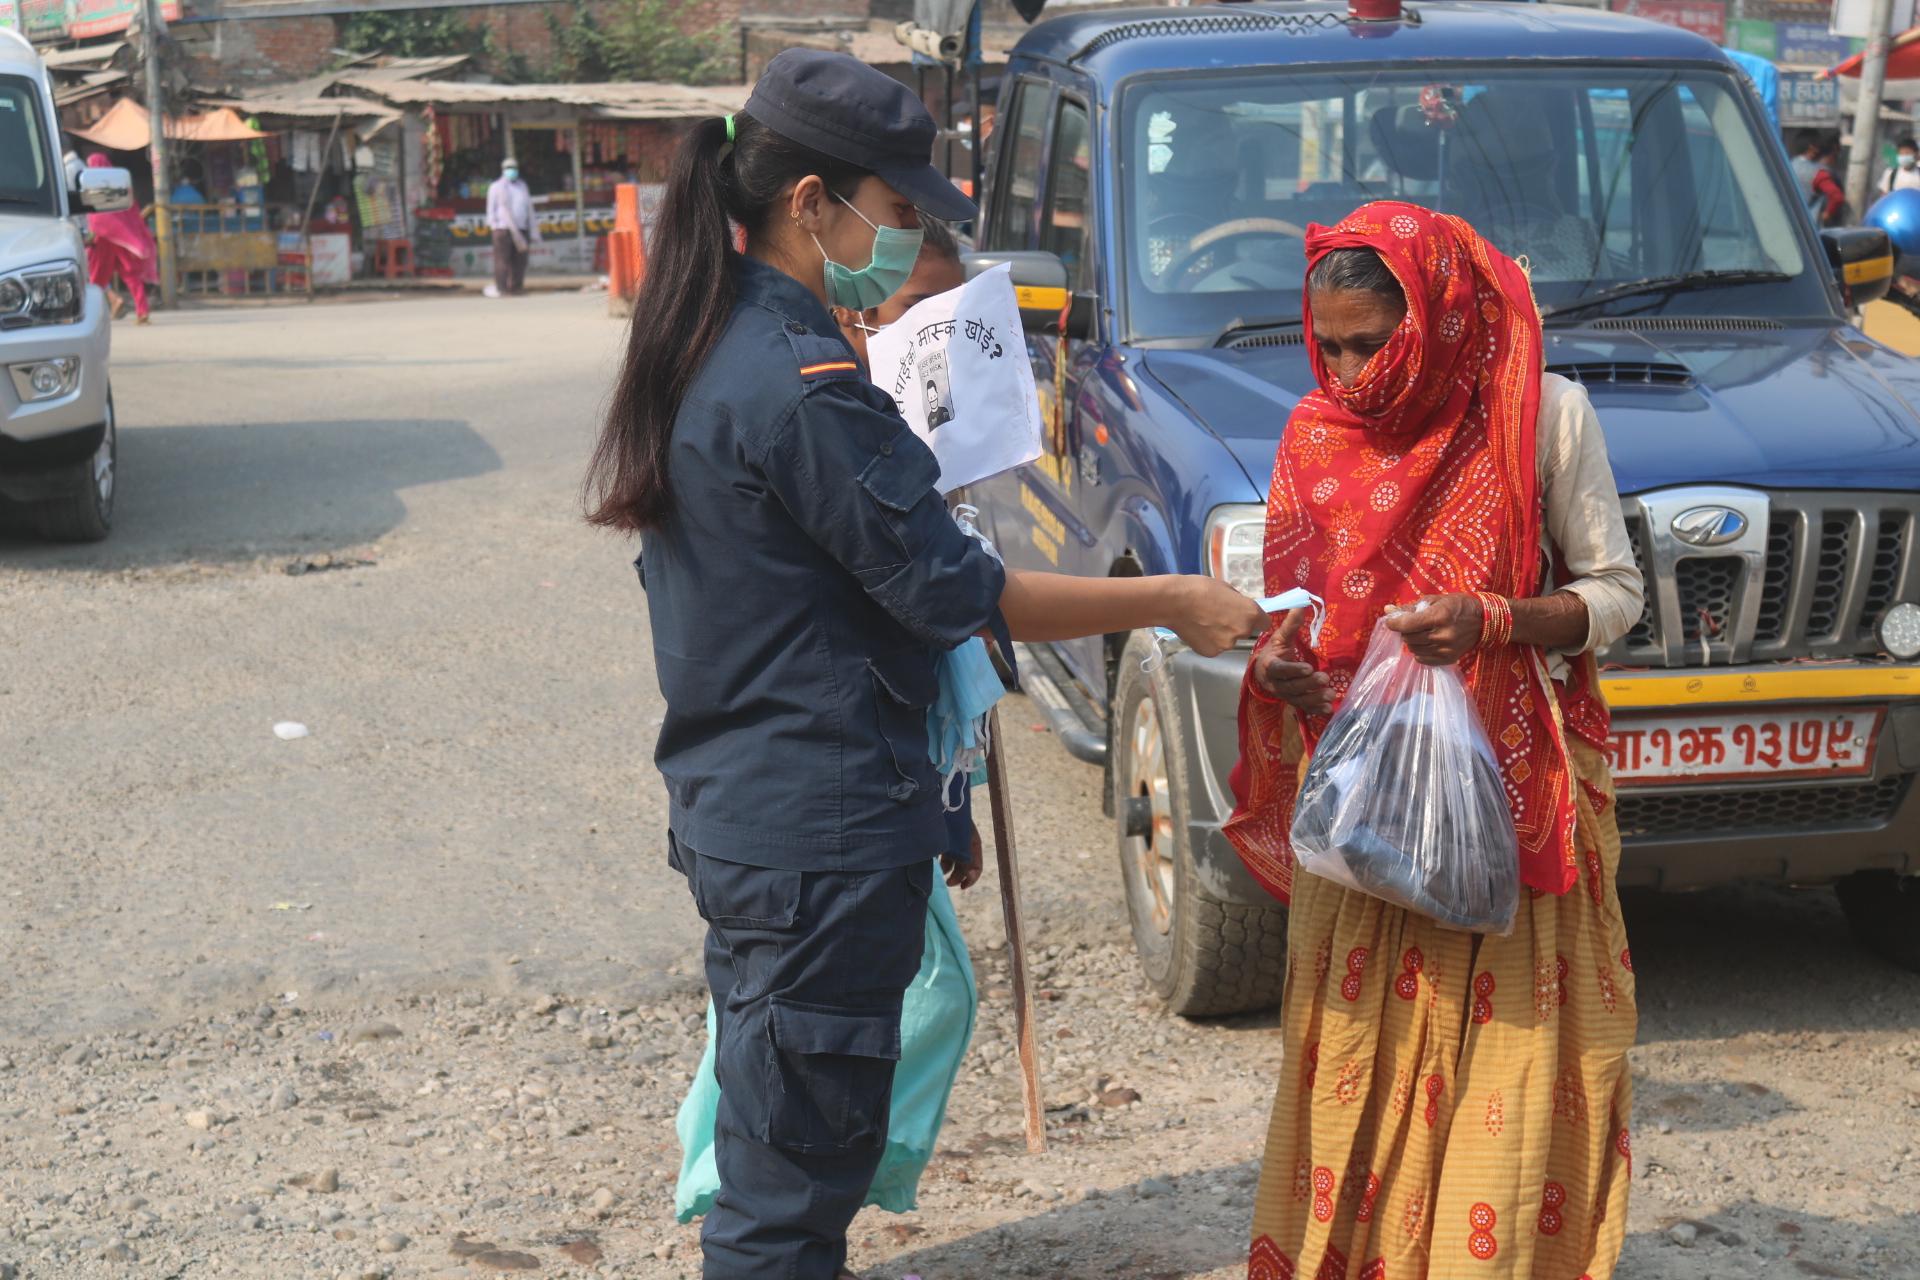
x=430 y=153
x=257 y=153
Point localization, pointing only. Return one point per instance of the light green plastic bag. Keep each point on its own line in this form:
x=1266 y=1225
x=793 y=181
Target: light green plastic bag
x=936 y=1024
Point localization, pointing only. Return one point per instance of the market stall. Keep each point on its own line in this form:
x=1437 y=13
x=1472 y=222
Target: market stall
x=574 y=143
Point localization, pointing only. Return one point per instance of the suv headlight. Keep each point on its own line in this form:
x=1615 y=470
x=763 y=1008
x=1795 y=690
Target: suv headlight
x=42 y=295
x=1236 y=547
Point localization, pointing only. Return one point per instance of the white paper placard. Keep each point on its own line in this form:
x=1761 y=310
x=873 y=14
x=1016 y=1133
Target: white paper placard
x=957 y=367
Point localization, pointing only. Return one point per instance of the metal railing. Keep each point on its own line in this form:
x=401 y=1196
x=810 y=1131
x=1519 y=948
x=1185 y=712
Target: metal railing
x=236 y=249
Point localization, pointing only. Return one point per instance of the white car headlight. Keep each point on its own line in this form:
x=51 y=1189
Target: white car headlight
x=42 y=295
x=1236 y=547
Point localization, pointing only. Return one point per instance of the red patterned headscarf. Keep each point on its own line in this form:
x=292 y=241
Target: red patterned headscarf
x=1419 y=479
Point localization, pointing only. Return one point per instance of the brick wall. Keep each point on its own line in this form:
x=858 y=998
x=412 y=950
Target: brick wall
x=265 y=51
x=259 y=51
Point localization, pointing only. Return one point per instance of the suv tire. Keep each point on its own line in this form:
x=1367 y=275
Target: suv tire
x=86 y=513
x=1883 y=910
x=1204 y=957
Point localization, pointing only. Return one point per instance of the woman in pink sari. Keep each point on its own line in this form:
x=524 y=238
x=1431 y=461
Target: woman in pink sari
x=121 y=246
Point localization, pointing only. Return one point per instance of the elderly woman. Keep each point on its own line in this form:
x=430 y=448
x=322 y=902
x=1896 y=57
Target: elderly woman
x=1462 y=1107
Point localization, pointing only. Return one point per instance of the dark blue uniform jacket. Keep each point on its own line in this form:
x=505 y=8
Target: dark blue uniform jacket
x=798 y=594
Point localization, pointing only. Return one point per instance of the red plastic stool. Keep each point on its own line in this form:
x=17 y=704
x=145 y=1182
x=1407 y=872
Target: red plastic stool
x=393 y=258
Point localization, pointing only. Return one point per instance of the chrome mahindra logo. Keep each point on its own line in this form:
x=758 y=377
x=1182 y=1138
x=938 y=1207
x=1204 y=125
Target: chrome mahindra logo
x=1708 y=526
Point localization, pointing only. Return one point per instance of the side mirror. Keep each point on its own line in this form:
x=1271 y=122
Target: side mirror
x=103 y=191
x=1040 y=284
x=1862 y=262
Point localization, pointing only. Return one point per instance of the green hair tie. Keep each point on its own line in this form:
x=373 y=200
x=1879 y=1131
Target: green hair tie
x=729 y=128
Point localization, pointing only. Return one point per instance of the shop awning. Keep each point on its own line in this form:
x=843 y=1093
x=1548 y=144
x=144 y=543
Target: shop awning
x=1903 y=59
x=637 y=100
x=127 y=127
x=315 y=112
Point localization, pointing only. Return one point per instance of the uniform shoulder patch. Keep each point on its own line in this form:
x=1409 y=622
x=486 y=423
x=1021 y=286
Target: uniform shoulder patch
x=822 y=357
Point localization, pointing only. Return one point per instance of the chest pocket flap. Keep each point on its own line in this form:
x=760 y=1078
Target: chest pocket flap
x=902 y=473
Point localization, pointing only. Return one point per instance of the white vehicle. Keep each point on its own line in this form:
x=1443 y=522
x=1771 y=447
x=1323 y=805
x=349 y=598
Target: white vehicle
x=57 y=441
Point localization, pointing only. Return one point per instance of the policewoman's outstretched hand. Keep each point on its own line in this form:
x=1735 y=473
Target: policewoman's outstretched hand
x=1210 y=616
x=1206 y=613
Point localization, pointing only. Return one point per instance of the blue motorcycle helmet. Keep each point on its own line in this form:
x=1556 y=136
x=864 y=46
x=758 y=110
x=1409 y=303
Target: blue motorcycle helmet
x=1898 y=214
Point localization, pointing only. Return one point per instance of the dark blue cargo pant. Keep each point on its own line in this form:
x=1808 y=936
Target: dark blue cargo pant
x=807 y=969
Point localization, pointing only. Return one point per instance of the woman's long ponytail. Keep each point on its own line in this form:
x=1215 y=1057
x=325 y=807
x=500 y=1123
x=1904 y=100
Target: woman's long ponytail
x=683 y=305
x=687 y=300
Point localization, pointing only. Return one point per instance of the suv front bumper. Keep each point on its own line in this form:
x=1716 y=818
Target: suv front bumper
x=89 y=339
x=1826 y=838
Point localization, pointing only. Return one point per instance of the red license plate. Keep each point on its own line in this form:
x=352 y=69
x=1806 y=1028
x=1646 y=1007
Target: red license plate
x=1735 y=746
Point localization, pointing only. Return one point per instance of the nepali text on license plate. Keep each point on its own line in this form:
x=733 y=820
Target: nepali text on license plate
x=1796 y=742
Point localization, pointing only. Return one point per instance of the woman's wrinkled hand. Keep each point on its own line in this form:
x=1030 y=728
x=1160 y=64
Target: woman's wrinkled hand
x=1298 y=685
x=1210 y=616
x=1440 y=634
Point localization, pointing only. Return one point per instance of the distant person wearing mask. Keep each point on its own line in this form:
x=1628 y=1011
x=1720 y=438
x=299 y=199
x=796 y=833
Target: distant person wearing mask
x=510 y=218
x=1822 y=194
x=1905 y=174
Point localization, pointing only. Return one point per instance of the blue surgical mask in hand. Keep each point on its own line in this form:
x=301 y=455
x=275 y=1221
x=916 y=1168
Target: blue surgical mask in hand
x=1297 y=598
x=894 y=253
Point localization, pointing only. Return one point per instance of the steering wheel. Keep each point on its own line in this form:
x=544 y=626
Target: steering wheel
x=1219 y=234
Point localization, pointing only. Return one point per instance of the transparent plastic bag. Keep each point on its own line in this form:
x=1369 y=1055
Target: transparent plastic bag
x=1403 y=797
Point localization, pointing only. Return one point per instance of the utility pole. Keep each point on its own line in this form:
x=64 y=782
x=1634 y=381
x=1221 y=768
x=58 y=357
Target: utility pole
x=1866 y=113
x=156 y=119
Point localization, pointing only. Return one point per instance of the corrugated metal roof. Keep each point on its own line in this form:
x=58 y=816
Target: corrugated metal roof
x=628 y=101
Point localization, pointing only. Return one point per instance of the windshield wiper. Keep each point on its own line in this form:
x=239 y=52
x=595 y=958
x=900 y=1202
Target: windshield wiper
x=18 y=200
x=1251 y=324
x=1684 y=282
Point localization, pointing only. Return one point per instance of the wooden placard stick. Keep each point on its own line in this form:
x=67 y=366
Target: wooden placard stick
x=1024 y=1037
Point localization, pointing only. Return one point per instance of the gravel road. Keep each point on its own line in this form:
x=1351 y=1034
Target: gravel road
x=414 y=994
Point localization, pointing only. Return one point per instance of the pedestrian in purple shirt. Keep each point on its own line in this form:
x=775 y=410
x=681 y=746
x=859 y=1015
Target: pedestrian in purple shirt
x=510 y=218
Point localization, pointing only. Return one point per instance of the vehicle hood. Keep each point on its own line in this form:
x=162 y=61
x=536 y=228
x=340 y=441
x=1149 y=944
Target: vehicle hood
x=35 y=241
x=1795 y=408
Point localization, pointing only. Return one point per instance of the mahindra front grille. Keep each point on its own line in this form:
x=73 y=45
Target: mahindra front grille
x=1745 y=575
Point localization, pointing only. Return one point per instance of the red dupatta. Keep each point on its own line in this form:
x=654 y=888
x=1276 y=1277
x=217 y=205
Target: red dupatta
x=1419 y=479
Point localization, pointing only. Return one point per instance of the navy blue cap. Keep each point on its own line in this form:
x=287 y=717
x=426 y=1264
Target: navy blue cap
x=841 y=107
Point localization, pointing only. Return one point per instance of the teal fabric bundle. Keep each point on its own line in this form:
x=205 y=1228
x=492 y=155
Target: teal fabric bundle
x=936 y=1024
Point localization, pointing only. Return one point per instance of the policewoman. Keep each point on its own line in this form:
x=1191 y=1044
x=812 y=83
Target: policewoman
x=802 y=573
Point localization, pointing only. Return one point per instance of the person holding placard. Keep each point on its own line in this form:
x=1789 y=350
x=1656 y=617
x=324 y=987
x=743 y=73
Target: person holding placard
x=802 y=574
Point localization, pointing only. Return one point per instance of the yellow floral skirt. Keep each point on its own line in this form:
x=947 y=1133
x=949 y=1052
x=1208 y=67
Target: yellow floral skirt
x=1453 y=1104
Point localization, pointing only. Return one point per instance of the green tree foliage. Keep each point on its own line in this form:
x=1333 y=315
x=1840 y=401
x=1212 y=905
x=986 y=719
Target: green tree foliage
x=411 y=33
x=639 y=40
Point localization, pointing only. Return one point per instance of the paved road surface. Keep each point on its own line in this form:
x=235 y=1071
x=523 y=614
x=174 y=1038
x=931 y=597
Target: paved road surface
x=475 y=810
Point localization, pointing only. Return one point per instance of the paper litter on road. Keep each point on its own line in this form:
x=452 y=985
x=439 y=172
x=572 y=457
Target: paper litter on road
x=288 y=730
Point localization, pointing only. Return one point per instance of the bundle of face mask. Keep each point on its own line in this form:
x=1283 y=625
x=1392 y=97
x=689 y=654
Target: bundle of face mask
x=957 y=738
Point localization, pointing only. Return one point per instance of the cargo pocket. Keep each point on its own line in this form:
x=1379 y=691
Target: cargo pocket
x=831 y=1078
x=734 y=895
x=899 y=479
x=904 y=686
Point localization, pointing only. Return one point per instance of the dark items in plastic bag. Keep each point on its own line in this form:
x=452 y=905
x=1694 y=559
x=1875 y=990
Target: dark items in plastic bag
x=1403 y=798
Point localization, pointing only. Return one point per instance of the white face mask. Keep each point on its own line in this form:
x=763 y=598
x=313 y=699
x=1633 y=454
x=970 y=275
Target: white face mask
x=1906 y=159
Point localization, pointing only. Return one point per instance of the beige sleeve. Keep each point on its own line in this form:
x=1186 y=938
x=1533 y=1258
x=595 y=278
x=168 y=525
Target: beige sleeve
x=1583 y=511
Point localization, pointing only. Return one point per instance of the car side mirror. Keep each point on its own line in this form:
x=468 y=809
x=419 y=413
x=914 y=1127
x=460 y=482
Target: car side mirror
x=103 y=191
x=1862 y=262
x=1040 y=285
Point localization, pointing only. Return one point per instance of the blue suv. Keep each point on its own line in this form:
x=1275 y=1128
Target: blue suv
x=1152 y=177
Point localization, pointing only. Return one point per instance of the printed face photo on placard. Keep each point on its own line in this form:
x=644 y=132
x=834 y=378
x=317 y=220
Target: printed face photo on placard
x=934 y=382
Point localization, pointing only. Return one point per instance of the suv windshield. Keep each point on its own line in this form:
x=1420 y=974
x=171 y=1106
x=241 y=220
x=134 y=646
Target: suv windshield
x=26 y=176
x=1601 y=176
